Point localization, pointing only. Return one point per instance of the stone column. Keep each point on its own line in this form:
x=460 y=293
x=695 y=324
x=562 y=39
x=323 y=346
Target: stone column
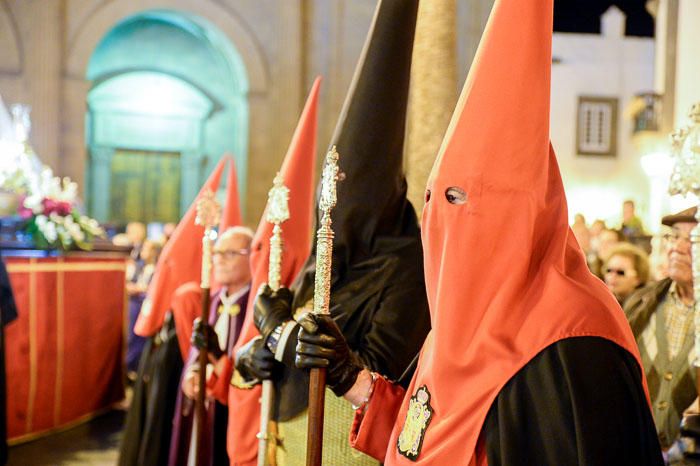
x=40 y=28
x=687 y=90
x=433 y=92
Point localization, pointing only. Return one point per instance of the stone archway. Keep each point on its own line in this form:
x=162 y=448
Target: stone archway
x=82 y=43
x=170 y=86
x=84 y=39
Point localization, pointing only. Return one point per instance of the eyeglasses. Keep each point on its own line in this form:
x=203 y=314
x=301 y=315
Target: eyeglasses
x=620 y=272
x=676 y=236
x=230 y=254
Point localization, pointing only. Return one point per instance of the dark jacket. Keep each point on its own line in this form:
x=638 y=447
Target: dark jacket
x=641 y=304
x=671 y=382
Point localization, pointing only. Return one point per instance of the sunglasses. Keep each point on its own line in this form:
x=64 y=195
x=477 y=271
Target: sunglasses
x=618 y=272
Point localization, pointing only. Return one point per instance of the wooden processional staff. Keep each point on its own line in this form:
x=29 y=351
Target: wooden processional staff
x=208 y=214
x=276 y=213
x=322 y=292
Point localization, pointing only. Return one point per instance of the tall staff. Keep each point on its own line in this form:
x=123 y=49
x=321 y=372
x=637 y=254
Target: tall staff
x=685 y=180
x=277 y=212
x=322 y=292
x=208 y=214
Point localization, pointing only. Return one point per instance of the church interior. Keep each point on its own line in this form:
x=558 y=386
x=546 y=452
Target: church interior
x=117 y=117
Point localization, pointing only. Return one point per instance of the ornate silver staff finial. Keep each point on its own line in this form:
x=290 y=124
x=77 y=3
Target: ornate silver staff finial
x=685 y=179
x=277 y=212
x=324 y=235
x=208 y=215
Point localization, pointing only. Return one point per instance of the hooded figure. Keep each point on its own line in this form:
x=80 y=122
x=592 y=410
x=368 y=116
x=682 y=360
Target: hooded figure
x=377 y=290
x=148 y=426
x=227 y=311
x=530 y=359
x=297 y=175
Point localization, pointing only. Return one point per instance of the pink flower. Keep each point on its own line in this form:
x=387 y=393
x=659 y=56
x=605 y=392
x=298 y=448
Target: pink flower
x=52 y=206
x=22 y=211
x=63 y=208
x=49 y=206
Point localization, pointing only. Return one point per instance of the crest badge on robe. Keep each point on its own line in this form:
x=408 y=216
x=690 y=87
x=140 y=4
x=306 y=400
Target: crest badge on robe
x=417 y=419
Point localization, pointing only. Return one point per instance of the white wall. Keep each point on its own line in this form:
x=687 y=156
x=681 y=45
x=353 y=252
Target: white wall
x=606 y=65
x=687 y=59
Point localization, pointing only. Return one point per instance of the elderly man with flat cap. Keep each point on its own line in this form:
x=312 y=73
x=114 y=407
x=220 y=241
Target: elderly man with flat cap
x=661 y=317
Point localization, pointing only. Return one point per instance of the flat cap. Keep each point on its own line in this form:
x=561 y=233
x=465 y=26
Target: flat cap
x=687 y=215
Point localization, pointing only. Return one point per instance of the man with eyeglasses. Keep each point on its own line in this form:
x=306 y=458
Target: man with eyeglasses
x=226 y=315
x=625 y=270
x=661 y=317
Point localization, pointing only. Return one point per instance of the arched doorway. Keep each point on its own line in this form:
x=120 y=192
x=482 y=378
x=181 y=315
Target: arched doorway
x=168 y=98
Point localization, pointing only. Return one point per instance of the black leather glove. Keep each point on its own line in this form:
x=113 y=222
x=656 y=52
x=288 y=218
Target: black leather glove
x=322 y=344
x=690 y=433
x=255 y=361
x=271 y=309
x=204 y=336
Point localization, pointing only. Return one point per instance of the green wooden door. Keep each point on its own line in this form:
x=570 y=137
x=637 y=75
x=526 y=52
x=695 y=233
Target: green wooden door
x=144 y=187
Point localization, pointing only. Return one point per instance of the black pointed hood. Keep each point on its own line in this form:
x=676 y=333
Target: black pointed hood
x=369 y=137
x=377 y=272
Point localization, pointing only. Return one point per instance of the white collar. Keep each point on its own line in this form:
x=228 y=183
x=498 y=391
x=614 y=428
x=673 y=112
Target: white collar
x=229 y=300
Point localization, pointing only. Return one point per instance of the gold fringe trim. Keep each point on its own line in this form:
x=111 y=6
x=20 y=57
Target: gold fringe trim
x=61 y=266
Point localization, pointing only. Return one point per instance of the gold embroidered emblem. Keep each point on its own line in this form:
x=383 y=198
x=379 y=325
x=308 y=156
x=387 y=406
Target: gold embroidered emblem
x=418 y=417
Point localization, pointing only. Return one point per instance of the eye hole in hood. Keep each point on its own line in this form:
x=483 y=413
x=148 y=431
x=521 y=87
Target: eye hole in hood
x=455 y=195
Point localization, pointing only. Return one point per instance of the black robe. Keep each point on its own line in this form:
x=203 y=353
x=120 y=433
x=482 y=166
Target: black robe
x=578 y=402
x=148 y=428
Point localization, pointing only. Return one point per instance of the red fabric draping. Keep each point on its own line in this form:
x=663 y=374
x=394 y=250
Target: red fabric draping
x=64 y=352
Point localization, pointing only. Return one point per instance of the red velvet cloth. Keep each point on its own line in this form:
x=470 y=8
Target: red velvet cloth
x=370 y=433
x=64 y=352
x=186 y=306
x=217 y=385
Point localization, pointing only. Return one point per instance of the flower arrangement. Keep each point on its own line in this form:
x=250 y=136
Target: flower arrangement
x=49 y=206
x=29 y=188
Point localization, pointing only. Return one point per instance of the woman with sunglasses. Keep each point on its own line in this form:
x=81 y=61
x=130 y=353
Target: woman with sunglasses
x=625 y=270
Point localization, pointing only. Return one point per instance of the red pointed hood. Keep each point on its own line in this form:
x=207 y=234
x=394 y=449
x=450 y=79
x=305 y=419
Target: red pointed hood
x=179 y=262
x=231 y=214
x=505 y=277
x=297 y=175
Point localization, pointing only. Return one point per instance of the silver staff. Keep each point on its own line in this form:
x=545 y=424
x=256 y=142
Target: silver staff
x=277 y=212
x=685 y=180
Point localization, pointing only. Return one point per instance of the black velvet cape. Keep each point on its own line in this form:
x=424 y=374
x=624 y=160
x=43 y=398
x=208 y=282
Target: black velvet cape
x=148 y=427
x=579 y=402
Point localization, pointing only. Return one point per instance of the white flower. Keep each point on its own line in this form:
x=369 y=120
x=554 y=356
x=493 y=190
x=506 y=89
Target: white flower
x=49 y=231
x=77 y=234
x=33 y=203
x=70 y=191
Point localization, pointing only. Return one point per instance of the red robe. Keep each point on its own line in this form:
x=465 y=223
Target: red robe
x=562 y=385
x=505 y=277
x=217 y=386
